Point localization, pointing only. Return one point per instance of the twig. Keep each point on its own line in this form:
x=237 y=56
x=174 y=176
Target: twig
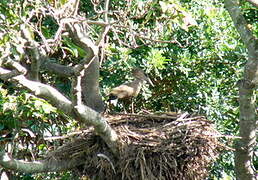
x=67 y=136
x=148 y=116
x=108 y=159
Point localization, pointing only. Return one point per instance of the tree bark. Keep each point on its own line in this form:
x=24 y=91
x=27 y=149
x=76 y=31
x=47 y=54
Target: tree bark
x=247 y=99
x=83 y=113
x=90 y=87
x=33 y=53
x=60 y=70
x=253 y=2
x=90 y=80
x=48 y=165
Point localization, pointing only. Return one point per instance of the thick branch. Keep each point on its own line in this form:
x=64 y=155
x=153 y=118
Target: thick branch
x=90 y=81
x=83 y=113
x=80 y=37
x=19 y=68
x=61 y=70
x=32 y=51
x=101 y=126
x=253 y=2
x=77 y=90
x=41 y=90
x=247 y=130
x=48 y=165
x=251 y=69
x=240 y=23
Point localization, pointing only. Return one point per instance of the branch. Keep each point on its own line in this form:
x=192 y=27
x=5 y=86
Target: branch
x=100 y=23
x=78 y=34
x=18 y=69
x=81 y=112
x=61 y=70
x=240 y=23
x=77 y=90
x=159 y=41
x=43 y=91
x=102 y=37
x=253 y=2
x=251 y=68
x=32 y=51
x=17 y=66
x=48 y=165
x=134 y=34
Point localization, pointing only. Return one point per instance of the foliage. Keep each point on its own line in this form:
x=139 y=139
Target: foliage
x=24 y=110
x=195 y=71
x=199 y=77
x=25 y=121
x=20 y=110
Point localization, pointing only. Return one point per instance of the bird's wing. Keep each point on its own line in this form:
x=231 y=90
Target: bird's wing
x=122 y=91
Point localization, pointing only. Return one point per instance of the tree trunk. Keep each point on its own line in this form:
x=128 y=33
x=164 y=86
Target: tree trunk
x=247 y=99
x=90 y=87
x=247 y=129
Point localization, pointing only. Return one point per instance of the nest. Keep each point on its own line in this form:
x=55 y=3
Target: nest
x=167 y=146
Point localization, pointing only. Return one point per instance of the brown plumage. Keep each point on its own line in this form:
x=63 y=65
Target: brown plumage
x=130 y=89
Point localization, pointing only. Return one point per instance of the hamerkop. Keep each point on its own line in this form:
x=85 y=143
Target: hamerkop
x=130 y=89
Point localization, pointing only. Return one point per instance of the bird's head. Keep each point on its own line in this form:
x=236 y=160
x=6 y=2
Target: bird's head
x=139 y=74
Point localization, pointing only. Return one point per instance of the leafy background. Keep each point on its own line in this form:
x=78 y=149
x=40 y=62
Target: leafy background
x=197 y=73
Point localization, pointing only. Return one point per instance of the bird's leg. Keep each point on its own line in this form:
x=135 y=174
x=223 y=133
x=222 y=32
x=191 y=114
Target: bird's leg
x=111 y=103
x=124 y=107
x=132 y=106
x=106 y=110
x=108 y=107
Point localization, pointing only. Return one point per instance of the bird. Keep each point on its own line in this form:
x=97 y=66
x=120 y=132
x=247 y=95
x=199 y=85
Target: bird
x=131 y=89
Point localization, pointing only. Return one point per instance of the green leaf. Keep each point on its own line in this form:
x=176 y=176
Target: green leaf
x=156 y=59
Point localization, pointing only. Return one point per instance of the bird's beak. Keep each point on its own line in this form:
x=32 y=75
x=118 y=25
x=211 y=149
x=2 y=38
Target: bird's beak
x=149 y=81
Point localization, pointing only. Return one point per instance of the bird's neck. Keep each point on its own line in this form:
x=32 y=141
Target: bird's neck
x=139 y=81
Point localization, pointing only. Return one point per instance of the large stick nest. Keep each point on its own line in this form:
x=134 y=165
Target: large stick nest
x=168 y=146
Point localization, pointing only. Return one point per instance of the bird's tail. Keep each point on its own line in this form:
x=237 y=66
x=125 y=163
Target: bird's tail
x=111 y=97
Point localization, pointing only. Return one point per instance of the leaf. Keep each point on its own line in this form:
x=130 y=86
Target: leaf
x=73 y=48
x=156 y=58
x=42 y=146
